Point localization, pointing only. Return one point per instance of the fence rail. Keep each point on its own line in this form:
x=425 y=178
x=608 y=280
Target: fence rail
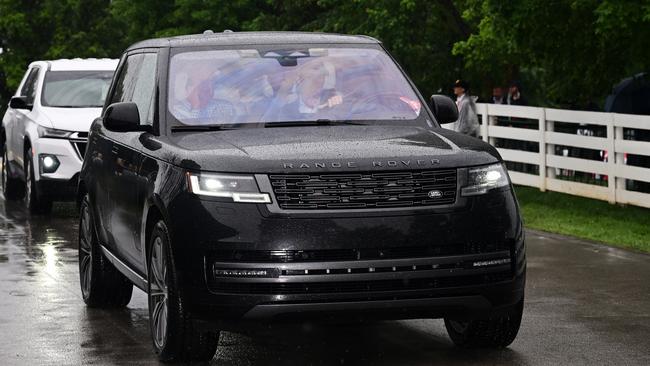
x=548 y=144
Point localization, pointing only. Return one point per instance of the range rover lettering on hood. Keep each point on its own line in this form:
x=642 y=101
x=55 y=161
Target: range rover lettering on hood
x=354 y=164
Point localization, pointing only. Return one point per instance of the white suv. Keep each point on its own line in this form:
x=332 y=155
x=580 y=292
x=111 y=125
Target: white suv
x=45 y=129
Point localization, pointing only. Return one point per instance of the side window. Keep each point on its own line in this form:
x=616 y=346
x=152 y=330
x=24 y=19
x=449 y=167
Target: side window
x=136 y=83
x=125 y=83
x=144 y=91
x=29 y=88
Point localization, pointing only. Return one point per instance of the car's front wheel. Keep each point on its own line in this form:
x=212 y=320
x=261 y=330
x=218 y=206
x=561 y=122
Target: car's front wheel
x=102 y=285
x=12 y=188
x=497 y=331
x=35 y=203
x=175 y=338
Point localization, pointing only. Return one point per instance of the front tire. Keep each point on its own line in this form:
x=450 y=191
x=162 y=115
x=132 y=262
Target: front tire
x=12 y=188
x=175 y=338
x=497 y=331
x=102 y=285
x=36 y=204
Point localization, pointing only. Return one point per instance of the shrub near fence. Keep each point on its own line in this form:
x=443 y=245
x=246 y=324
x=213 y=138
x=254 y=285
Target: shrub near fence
x=588 y=154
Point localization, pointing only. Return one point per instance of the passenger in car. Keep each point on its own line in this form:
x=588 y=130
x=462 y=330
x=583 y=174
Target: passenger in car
x=196 y=101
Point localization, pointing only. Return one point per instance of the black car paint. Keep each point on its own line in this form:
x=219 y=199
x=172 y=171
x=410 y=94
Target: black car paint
x=135 y=177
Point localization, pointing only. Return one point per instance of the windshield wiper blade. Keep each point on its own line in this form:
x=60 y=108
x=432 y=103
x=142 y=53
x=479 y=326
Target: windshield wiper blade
x=318 y=122
x=199 y=128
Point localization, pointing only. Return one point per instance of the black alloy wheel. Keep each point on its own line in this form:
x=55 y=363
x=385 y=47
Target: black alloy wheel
x=102 y=285
x=173 y=332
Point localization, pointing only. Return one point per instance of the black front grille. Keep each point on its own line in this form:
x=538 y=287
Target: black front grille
x=365 y=190
x=328 y=255
x=80 y=148
x=360 y=286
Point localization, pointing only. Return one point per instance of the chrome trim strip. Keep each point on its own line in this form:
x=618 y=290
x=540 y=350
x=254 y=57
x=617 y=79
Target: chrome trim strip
x=137 y=280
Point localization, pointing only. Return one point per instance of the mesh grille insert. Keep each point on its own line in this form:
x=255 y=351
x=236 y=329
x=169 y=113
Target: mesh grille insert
x=364 y=190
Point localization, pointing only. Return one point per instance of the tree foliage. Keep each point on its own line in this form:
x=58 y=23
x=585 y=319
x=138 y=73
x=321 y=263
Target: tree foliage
x=567 y=52
x=572 y=50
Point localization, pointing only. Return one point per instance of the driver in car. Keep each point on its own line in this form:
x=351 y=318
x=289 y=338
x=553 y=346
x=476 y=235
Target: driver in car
x=310 y=92
x=197 y=102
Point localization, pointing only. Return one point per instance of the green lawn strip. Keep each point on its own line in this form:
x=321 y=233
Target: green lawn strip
x=621 y=226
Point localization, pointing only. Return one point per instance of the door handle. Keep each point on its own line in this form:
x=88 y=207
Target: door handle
x=115 y=150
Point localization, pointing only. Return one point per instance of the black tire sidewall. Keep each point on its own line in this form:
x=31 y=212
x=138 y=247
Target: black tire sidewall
x=14 y=188
x=167 y=351
x=108 y=287
x=94 y=250
x=183 y=342
x=37 y=203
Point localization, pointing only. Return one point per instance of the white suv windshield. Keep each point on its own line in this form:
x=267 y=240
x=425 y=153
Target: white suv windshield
x=76 y=89
x=283 y=85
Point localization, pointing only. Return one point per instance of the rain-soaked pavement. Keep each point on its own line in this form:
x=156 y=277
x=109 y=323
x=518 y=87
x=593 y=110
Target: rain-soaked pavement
x=586 y=304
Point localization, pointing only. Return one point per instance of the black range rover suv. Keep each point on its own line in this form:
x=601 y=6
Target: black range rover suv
x=250 y=177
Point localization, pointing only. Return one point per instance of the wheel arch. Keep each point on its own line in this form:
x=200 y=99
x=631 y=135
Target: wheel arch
x=154 y=212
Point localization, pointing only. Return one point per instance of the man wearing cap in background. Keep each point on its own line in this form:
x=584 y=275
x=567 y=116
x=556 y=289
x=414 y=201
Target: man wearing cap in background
x=467 y=117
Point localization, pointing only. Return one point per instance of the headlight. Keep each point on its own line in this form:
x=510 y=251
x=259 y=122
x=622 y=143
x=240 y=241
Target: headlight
x=482 y=179
x=53 y=133
x=241 y=188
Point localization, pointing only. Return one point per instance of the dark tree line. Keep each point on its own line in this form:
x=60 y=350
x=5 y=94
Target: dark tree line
x=565 y=52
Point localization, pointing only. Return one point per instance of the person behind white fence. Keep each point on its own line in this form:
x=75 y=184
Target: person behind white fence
x=467 y=117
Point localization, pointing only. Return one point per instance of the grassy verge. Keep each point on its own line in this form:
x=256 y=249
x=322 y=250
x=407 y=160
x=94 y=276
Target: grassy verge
x=627 y=227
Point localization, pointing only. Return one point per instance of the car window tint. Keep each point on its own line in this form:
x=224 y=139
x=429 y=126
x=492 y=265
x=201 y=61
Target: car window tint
x=125 y=83
x=29 y=89
x=136 y=84
x=75 y=89
x=283 y=84
x=143 y=92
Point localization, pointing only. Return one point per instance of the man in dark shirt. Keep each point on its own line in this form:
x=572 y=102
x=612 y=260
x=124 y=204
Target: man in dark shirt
x=514 y=94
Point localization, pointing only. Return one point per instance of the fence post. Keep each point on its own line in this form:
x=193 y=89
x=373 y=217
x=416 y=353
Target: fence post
x=611 y=159
x=484 y=125
x=492 y=121
x=621 y=183
x=550 y=127
x=542 y=149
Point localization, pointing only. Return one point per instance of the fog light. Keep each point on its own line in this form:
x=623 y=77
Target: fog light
x=49 y=163
x=262 y=272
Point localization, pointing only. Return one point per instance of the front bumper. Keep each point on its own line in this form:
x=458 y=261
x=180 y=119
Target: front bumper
x=58 y=189
x=69 y=153
x=463 y=263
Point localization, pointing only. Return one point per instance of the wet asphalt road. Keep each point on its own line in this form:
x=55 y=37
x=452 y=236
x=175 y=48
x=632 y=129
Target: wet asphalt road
x=586 y=304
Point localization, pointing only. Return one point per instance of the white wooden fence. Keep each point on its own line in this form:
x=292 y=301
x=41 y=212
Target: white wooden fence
x=617 y=172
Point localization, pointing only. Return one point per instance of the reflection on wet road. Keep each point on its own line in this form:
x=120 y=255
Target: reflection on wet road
x=586 y=304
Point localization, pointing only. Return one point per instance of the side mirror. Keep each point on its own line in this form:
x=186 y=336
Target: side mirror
x=444 y=109
x=124 y=117
x=19 y=103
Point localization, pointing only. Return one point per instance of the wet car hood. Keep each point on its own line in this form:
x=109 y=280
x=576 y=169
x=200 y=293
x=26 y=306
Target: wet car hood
x=71 y=119
x=324 y=148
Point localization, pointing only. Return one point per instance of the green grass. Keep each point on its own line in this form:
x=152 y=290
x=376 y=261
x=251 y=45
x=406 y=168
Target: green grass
x=621 y=226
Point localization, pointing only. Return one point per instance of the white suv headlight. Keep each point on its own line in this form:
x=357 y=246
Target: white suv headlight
x=482 y=179
x=53 y=133
x=241 y=188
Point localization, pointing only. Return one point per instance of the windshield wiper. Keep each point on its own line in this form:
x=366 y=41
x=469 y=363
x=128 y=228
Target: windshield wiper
x=74 y=106
x=199 y=128
x=318 y=122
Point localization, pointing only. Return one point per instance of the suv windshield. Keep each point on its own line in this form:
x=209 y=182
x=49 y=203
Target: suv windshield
x=219 y=87
x=76 y=89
